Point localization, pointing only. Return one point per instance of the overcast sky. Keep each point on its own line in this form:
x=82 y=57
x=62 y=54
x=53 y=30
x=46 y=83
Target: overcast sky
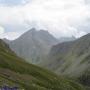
x=59 y=17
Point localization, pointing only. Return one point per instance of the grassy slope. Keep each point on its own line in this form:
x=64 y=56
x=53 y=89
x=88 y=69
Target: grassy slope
x=15 y=72
x=73 y=59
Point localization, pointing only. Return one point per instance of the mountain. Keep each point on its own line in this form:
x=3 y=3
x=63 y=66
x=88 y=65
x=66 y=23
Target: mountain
x=16 y=73
x=72 y=59
x=33 y=45
x=66 y=39
x=6 y=40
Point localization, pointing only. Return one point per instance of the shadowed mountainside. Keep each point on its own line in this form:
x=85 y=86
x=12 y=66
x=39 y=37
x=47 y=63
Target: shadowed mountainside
x=72 y=59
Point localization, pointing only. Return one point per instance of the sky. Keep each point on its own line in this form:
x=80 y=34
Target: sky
x=62 y=18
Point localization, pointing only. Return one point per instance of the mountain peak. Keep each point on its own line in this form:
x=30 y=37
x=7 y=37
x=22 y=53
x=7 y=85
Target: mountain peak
x=32 y=30
x=41 y=30
x=33 y=44
x=36 y=30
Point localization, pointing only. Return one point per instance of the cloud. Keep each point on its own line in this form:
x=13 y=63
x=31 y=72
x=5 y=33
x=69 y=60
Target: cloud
x=11 y=2
x=87 y=1
x=10 y=35
x=1 y=30
x=59 y=17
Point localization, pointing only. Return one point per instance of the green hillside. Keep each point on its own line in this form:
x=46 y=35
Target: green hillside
x=72 y=59
x=15 y=72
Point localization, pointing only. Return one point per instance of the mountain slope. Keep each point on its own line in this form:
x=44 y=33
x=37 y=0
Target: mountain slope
x=15 y=72
x=33 y=45
x=72 y=59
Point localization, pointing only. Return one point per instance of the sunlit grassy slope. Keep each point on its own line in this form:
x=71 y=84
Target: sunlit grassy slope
x=15 y=72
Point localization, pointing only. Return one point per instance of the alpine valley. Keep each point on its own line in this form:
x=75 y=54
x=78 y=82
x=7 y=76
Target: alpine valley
x=15 y=72
x=68 y=58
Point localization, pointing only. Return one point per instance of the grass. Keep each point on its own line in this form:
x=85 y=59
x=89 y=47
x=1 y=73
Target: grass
x=14 y=71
